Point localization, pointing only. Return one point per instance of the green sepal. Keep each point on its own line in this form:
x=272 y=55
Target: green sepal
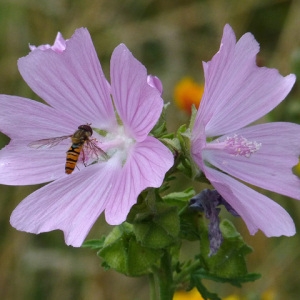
x=229 y=262
x=180 y=199
x=94 y=244
x=155 y=224
x=189 y=228
x=160 y=228
x=187 y=165
x=123 y=253
x=228 y=265
x=160 y=128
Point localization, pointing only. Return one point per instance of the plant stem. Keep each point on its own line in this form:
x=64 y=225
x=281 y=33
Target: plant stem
x=165 y=278
x=153 y=290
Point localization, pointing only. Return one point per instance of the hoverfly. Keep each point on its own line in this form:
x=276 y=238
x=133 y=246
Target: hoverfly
x=81 y=144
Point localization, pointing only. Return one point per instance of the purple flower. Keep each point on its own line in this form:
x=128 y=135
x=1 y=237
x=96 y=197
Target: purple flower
x=69 y=77
x=237 y=93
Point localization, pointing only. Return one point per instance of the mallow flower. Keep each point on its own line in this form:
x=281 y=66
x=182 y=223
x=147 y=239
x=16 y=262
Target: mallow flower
x=237 y=92
x=69 y=77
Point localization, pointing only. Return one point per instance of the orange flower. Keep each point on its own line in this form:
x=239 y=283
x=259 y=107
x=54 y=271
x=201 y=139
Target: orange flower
x=188 y=92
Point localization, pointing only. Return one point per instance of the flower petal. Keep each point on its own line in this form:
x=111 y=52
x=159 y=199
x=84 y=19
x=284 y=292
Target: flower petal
x=145 y=167
x=22 y=118
x=138 y=104
x=58 y=46
x=71 y=204
x=21 y=165
x=271 y=166
x=155 y=82
x=237 y=92
x=257 y=210
x=71 y=81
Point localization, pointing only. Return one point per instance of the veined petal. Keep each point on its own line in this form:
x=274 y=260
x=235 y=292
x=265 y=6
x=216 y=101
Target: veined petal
x=71 y=81
x=145 y=167
x=138 y=104
x=257 y=210
x=71 y=204
x=271 y=166
x=237 y=92
x=58 y=46
x=21 y=165
x=22 y=118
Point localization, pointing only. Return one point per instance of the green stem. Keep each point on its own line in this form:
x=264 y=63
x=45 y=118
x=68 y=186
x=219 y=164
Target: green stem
x=165 y=278
x=152 y=287
x=184 y=275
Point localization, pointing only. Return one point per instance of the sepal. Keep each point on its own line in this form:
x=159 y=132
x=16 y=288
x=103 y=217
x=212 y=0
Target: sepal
x=155 y=225
x=122 y=252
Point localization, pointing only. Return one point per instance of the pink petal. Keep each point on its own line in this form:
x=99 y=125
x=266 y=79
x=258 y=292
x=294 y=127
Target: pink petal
x=71 y=204
x=138 y=104
x=258 y=211
x=21 y=165
x=145 y=167
x=58 y=46
x=22 y=119
x=155 y=82
x=271 y=166
x=237 y=92
x=71 y=81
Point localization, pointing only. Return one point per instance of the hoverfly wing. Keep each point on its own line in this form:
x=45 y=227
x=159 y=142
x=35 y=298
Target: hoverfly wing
x=91 y=151
x=48 y=143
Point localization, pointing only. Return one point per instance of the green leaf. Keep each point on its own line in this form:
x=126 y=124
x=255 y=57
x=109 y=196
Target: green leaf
x=196 y=281
x=123 y=253
x=236 y=281
x=197 y=276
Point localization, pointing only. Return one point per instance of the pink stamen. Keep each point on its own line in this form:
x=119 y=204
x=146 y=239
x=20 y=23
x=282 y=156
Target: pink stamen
x=238 y=145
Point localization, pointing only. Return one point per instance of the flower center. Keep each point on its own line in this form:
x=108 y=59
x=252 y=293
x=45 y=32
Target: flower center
x=240 y=146
x=117 y=143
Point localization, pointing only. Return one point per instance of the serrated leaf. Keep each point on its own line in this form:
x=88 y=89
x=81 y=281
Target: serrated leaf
x=237 y=281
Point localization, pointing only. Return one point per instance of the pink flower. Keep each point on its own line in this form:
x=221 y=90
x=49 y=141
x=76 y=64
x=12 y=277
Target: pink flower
x=70 y=79
x=237 y=93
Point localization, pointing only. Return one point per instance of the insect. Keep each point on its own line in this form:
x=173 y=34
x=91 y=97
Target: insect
x=81 y=144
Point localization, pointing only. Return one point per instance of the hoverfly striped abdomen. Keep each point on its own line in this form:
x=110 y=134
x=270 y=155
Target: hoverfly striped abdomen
x=72 y=157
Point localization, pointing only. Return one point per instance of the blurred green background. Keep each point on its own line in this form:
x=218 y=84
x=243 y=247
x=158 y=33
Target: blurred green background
x=171 y=37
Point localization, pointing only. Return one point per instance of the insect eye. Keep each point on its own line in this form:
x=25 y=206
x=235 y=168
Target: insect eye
x=86 y=128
